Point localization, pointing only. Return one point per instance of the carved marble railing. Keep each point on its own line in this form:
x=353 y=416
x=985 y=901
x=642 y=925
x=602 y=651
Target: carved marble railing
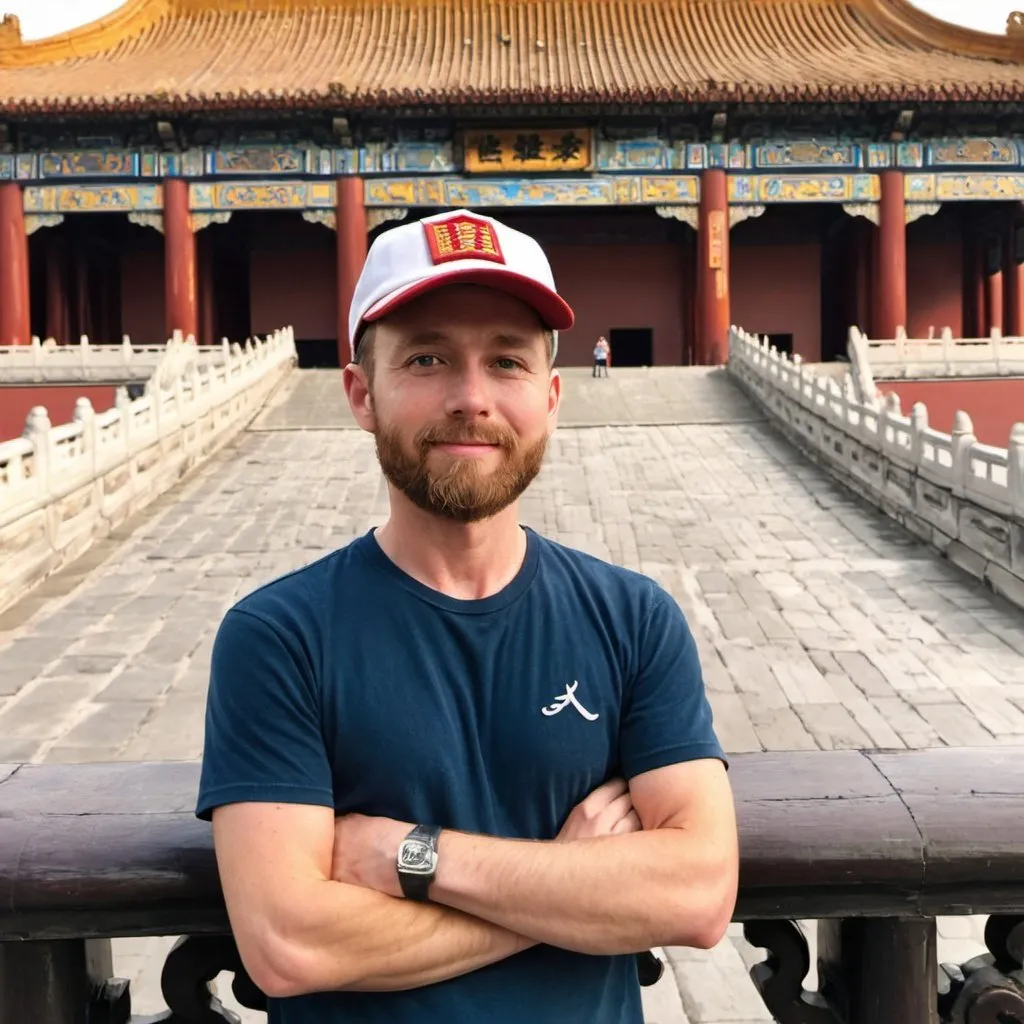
x=872 y=846
x=945 y=356
x=62 y=486
x=964 y=497
x=45 y=362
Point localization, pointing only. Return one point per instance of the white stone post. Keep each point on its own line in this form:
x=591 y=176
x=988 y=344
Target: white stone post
x=963 y=441
x=37 y=430
x=1015 y=470
x=86 y=416
x=918 y=425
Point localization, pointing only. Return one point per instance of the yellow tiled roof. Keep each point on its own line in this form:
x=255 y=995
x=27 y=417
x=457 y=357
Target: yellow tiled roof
x=166 y=55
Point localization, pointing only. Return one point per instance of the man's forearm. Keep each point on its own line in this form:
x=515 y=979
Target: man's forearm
x=608 y=895
x=351 y=938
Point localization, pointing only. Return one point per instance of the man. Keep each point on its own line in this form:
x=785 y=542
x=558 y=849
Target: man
x=457 y=772
x=602 y=356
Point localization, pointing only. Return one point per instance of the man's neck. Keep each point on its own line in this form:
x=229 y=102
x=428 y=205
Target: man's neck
x=467 y=561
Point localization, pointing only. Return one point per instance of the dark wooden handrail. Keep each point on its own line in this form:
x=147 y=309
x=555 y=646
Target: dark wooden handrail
x=872 y=845
x=113 y=849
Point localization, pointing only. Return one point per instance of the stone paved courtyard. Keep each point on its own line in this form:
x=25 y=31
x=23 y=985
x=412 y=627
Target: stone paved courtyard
x=820 y=623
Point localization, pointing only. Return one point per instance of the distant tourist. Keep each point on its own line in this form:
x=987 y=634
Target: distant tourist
x=602 y=356
x=459 y=773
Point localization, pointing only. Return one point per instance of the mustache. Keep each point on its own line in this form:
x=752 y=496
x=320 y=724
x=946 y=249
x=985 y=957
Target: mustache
x=465 y=433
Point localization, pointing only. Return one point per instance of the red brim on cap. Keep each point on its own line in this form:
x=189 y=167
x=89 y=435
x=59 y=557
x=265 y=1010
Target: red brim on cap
x=554 y=312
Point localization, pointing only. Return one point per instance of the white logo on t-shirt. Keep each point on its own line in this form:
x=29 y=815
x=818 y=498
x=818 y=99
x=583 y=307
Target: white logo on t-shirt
x=569 y=697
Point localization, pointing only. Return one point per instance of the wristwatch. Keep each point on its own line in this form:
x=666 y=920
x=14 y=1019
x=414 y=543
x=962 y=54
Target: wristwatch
x=417 y=861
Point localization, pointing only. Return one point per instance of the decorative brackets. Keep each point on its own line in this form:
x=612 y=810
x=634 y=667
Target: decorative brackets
x=687 y=214
x=147 y=220
x=738 y=214
x=204 y=220
x=35 y=221
x=328 y=218
x=382 y=214
x=915 y=211
x=869 y=211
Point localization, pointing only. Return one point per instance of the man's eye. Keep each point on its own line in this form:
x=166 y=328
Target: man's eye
x=424 y=362
x=507 y=363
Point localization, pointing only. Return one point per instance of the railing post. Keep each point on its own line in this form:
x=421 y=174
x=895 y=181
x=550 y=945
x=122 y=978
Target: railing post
x=37 y=430
x=963 y=441
x=879 y=970
x=58 y=982
x=1015 y=471
x=86 y=415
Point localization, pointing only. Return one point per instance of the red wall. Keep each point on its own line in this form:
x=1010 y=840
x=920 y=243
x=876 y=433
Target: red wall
x=934 y=287
x=15 y=404
x=776 y=289
x=297 y=288
x=993 y=405
x=620 y=286
x=142 y=297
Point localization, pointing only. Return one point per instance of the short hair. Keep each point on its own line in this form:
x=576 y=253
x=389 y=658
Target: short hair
x=364 y=349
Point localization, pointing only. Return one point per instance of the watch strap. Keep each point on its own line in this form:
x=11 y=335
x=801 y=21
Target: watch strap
x=415 y=885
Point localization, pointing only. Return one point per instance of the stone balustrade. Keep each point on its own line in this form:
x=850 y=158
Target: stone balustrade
x=964 y=497
x=45 y=362
x=945 y=356
x=62 y=486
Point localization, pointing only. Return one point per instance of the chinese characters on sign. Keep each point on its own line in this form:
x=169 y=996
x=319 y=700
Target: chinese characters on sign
x=546 y=149
x=716 y=239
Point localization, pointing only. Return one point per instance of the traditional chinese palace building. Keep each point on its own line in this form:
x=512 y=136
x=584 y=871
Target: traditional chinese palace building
x=793 y=166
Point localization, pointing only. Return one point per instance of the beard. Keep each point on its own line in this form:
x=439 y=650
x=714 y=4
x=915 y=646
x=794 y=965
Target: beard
x=461 y=490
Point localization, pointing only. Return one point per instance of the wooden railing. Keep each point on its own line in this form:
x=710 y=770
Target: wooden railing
x=874 y=846
x=964 y=497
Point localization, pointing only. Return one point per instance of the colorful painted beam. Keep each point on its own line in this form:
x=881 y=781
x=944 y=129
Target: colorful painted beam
x=603 y=156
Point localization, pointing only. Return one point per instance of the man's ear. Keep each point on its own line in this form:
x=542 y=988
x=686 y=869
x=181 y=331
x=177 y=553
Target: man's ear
x=554 y=400
x=360 y=397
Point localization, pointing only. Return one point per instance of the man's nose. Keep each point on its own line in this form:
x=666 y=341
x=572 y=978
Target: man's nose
x=468 y=393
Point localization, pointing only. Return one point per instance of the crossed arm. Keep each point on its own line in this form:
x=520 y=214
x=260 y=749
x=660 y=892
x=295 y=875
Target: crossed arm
x=307 y=920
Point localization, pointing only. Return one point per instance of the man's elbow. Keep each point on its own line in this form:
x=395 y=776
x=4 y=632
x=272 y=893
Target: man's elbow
x=702 y=922
x=282 y=969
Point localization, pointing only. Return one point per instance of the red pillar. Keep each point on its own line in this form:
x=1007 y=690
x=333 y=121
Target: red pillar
x=860 y=264
x=1013 y=284
x=978 y=269
x=713 y=306
x=57 y=326
x=889 y=289
x=207 y=309
x=15 y=323
x=994 y=285
x=83 y=306
x=179 y=261
x=351 y=230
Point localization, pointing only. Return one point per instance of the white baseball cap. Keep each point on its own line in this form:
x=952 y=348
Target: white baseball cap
x=458 y=247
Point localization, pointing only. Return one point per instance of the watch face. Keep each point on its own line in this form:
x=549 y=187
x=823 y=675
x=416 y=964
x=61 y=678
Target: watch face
x=416 y=856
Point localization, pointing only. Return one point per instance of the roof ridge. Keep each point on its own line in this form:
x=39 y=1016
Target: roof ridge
x=910 y=23
x=158 y=55
x=130 y=19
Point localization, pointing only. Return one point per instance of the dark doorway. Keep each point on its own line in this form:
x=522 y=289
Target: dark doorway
x=318 y=353
x=782 y=342
x=632 y=346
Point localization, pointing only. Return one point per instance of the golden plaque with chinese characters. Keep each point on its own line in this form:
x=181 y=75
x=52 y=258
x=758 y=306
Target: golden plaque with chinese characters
x=533 y=150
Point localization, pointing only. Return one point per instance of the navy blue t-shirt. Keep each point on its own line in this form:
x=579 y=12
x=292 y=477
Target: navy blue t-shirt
x=349 y=684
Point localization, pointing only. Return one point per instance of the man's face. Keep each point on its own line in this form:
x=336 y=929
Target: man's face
x=462 y=400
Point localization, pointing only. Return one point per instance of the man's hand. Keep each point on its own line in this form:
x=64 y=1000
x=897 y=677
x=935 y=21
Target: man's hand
x=608 y=811
x=366 y=848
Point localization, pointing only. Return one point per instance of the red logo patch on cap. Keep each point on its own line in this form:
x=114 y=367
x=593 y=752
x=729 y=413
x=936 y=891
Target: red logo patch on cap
x=463 y=238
